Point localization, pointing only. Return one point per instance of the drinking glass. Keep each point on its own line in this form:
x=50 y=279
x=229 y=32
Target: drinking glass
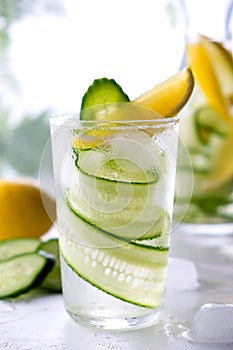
x=114 y=189
x=208 y=136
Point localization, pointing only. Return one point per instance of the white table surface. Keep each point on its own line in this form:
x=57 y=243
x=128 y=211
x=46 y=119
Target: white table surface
x=38 y=320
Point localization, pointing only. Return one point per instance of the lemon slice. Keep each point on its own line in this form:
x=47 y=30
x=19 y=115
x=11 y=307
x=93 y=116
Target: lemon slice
x=212 y=66
x=170 y=96
x=222 y=61
x=92 y=138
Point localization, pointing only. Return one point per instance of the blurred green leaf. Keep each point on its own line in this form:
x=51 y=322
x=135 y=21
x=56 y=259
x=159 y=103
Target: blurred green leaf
x=26 y=144
x=12 y=10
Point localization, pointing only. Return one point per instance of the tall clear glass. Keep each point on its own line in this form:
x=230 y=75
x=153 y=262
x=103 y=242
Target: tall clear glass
x=115 y=188
x=207 y=135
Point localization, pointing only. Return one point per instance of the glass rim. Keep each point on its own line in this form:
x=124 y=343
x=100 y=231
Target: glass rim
x=63 y=119
x=106 y=115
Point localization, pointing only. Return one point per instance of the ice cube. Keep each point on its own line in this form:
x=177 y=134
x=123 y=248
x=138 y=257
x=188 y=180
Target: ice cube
x=212 y=323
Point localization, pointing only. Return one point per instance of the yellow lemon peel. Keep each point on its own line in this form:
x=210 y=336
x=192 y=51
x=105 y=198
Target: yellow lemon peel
x=170 y=96
x=208 y=61
x=22 y=213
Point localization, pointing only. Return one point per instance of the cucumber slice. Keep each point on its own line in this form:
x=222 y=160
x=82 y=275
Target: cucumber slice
x=15 y=246
x=22 y=273
x=208 y=122
x=140 y=220
x=135 y=203
x=129 y=271
x=118 y=170
x=102 y=91
x=53 y=280
x=134 y=159
x=119 y=186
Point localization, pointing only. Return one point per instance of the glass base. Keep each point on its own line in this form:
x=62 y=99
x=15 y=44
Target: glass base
x=220 y=229
x=90 y=306
x=120 y=324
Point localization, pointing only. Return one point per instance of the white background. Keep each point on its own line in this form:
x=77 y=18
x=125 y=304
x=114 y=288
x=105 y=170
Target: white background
x=55 y=58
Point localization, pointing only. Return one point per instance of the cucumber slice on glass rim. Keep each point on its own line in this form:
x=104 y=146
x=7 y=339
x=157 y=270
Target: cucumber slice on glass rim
x=102 y=91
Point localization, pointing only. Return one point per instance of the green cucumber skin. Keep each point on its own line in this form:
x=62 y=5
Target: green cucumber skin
x=96 y=285
x=16 y=246
x=156 y=234
x=53 y=280
x=141 y=303
x=211 y=123
x=47 y=263
x=80 y=156
x=207 y=206
x=147 y=170
x=140 y=279
x=115 y=181
x=100 y=92
x=139 y=206
x=133 y=255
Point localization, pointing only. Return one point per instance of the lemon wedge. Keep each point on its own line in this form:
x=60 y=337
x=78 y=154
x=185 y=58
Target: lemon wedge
x=170 y=96
x=212 y=66
x=222 y=61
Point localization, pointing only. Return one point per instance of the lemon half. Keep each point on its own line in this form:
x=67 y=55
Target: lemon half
x=22 y=213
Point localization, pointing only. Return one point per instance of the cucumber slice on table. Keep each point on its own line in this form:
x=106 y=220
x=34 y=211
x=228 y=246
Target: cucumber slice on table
x=53 y=280
x=15 y=246
x=102 y=91
x=23 y=273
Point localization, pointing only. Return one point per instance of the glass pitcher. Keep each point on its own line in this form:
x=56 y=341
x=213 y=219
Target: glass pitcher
x=206 y=126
